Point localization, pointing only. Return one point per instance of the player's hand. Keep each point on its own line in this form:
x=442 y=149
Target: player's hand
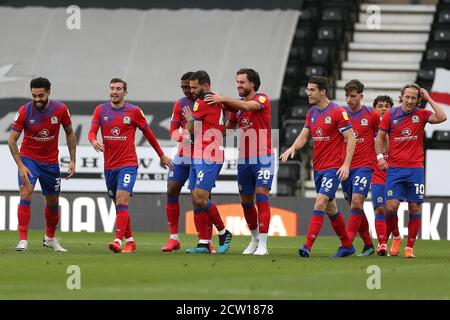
x=187 y=113
x=71 y=170
x=424 y=94
x=214 y=98
x=288 y=153
x=343 y=172
x=166 y=162
x=98 y=146
x=24 y=172
x=382 y=164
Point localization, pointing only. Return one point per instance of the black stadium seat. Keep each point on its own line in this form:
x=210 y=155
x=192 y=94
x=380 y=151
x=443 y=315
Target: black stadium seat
x=437 y=55
x=326 y=33
x=444 y=16
x=441 y=139
x=332 y=14
x=441 y=35
x=315 y=71
x=320 y=54
x=292 y=129
x=426 y=74
x=302 y=91
x=290 y=171
x=303 y=33
x=298 y=111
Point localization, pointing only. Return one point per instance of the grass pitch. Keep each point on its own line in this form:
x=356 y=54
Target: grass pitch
x=149 y=273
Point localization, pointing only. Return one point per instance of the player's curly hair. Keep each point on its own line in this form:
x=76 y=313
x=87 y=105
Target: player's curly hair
x=40 y=83
x=252 y=76
x=382 y=98
x=414 y=86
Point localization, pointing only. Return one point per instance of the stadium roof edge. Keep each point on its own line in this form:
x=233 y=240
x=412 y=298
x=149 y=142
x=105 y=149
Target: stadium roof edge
x=160 y=4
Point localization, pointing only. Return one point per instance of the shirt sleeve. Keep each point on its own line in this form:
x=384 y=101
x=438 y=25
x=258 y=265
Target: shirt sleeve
x=176 y=114
x=342 y=119
x=263 y=101
x=308 y=121
x=385 y=124
x=426 y=114
x=200 y=109
x=140 y=119
x=375 y=120
x=95 y=124
x=19 y=120
x=232 y=117
x=65 y=117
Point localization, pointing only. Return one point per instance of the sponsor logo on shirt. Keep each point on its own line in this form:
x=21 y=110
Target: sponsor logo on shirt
x=196 y=106
x=406 y=132
x=364 y=122
x=43 y=136
x=54 y=120
x=262 y=99
x=319 y=132
x=126 y=120
x=328 y=120
x=115 y=135
x=115 y=131
x=245 y=123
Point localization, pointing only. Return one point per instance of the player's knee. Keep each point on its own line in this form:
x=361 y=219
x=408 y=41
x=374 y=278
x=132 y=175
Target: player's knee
x=199 y=202
x=321 y=203
x=357 y=204
x=173 y=191
x=414 y=207
x=52 y=202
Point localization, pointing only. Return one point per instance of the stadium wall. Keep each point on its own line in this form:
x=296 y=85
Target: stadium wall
x=94 y=212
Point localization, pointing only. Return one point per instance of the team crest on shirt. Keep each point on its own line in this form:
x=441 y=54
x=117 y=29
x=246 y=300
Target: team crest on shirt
x=380 y=199
x=126 y=120
x=16 y=117
x=196 y=106
x=415 y=119
x=390 y=193
x=262 y=99
x=327 y=120
x=364 y=122
x=54 y=120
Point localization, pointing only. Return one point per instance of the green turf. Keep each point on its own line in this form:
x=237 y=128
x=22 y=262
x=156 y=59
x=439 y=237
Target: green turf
x=149 y=273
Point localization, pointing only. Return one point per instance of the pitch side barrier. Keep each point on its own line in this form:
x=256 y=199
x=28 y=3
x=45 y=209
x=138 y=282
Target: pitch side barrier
x=94 y=212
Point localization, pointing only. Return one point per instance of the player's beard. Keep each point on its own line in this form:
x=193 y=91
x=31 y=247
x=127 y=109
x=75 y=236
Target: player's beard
x=42 y=104
x=243 y=92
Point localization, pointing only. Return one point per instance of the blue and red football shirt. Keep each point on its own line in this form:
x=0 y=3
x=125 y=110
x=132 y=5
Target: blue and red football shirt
x=365 y=123
x=406 y=133
x=41 y=130
x=118 y=127
x=208 y=143
x=326 y=126
x=255 y=140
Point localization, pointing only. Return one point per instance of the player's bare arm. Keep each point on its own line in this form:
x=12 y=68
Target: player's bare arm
x=439 y=114
x=24 y=172
x=380 y=143
x=232 y=103
x=72 y=145
x=166 y=162
x=187 y=113
x=344 y=170
x=298 y=144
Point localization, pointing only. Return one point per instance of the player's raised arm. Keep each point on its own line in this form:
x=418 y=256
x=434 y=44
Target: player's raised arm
x=298 y=144
x=439 y=114
x=344 y=170
x=233 y=103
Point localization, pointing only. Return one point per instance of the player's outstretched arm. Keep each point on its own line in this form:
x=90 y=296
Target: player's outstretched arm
x=439 y=114
x=344 y=170
x=298 y=144
x=72 y=145
x=232 y=103
x=380 y=142
x=24 y=172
